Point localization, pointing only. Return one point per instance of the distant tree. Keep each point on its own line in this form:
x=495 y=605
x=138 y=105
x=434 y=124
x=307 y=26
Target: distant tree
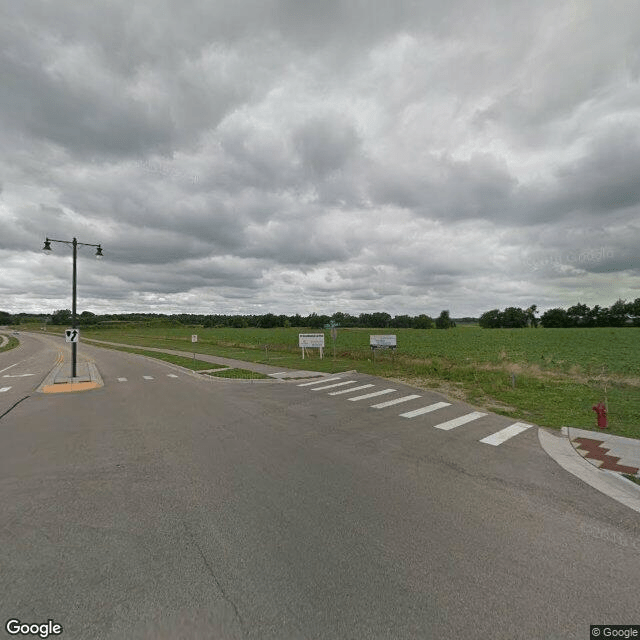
x=380 y=319
x=514 y=318
x=618 y=314
x=443 y=321
x=61 y=316
x=86 y=318
x=578 y=315
x=491 y=319
x=267 y=321
x=402 y=322
x=423 y=321
x=6 y=317
x=554 y=318
x=532 y=321
x=634 y=312
x=239 y=322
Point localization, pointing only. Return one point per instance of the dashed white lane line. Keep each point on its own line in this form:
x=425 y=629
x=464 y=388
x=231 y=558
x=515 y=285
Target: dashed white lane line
x=308 y=384
x=4 y=389
x=390 y=403
x=148 y=377
x=171 y=375
x=372 y=395
x=337 y=393
x=504 y=434
x=122 y=379
x=456 y=422
x=332 y=386
x=421 y=410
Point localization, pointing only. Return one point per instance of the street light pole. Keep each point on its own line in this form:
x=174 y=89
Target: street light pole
x=74 y=243
x=74 y=345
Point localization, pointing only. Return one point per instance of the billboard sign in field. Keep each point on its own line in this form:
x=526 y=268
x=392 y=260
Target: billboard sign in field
x=311 y=341
x=387 y=341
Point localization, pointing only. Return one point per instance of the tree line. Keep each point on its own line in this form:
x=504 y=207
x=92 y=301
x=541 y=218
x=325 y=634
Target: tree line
x=619 y=314
x=62 y=317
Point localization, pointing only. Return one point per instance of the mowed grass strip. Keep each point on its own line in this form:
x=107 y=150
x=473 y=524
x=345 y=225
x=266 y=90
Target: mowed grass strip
x=550 y=377
x=182 y=361
x=12 y=344
x=239 y=374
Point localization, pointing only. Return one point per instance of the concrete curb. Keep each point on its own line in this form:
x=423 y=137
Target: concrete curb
x=51 y=384
x=611 y=484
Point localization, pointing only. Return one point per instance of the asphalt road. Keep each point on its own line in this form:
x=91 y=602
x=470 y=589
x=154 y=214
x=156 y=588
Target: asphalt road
x=181 y=507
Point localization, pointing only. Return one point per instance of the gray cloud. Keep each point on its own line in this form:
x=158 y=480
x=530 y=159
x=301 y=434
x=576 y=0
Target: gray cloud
x=300 y=156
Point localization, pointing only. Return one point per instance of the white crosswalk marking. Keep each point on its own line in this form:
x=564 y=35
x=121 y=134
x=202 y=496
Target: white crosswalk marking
x=390 y=403
x=337 y=393
x=308 y=384
x=171 y=375
x=122 y=379
x=456 y=422
x=501 y=436
x=372 y=395
x=4 y=389
x=148 y=377
x=332 y=386
x=422 y=410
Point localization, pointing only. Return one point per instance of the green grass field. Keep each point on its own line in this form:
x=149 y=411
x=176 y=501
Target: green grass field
x=550 y=377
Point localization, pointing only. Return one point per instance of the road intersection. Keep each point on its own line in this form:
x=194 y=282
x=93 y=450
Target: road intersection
x=170 y=504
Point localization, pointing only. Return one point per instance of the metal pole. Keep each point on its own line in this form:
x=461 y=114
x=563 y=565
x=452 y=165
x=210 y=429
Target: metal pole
x=74 y=345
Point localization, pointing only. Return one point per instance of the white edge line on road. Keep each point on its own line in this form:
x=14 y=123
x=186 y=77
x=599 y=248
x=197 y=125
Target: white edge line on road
x=457 y=422
x=337 y=393
x=332 y=386
x=390 y=403
x=9 y=367
x=308 y=384
x=422 y=410
x=4 y=389
x=372 y=395
x=503 y=435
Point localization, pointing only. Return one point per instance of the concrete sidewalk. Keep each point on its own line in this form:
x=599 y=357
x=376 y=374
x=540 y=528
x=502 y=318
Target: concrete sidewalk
x=606 y=451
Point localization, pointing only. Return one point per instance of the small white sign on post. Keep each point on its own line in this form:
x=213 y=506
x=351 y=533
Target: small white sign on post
x=71 y=335
x=194 y=338
x=387 y=341
x=311 y=341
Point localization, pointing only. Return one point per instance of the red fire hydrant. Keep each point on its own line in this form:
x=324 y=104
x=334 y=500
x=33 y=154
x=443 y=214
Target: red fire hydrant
x=601 y=410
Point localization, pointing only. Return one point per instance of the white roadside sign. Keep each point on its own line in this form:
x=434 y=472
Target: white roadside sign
x=387 y=341
x=311 y=341
x=71 y=335
x=194 y=338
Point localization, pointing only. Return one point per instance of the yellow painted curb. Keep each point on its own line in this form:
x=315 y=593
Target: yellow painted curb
x=70 y=386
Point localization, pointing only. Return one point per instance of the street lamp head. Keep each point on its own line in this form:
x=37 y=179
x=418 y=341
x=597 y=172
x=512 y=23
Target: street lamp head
x=47 y=245
x=99 y=255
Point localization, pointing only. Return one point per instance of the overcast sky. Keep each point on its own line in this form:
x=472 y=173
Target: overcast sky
x=320 y=155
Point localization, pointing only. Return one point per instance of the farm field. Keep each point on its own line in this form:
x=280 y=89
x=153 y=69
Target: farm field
x=551 y=377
